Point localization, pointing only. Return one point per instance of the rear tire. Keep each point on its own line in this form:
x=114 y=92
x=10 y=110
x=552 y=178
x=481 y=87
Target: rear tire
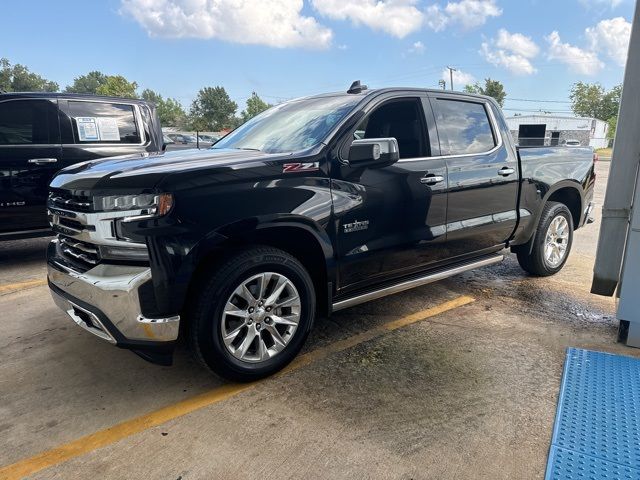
x=552 y=242
x=253 y=315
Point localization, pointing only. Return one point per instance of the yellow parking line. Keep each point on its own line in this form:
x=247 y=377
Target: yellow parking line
x=130 y=427
x=14 y=287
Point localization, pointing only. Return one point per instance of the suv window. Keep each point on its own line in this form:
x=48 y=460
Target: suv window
x=102 y=122
x=463 y=127
x=400 y=119
x=27 y=122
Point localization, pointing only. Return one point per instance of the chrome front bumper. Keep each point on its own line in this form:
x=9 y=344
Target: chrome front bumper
x=105 y=301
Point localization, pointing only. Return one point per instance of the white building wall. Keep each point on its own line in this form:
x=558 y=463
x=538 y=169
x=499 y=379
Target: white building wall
x=597 y=128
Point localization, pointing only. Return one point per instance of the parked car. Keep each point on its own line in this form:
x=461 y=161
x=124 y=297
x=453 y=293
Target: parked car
x=210 y=138
x=182 y=138
x=239 y=247
x=167 y=140
x=40 y=133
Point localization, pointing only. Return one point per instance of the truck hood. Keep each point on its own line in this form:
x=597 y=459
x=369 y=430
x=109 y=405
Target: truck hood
x=145 y=171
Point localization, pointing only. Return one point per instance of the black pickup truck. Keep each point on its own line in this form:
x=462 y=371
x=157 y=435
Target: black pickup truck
x=41 y=133
x=316 y=205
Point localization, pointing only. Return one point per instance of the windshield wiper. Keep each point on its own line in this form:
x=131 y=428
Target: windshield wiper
x=236 y=148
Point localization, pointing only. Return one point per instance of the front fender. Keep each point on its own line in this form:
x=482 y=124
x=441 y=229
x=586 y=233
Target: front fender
x=176 y=261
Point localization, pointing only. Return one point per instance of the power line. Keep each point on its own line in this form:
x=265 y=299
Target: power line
x=538 y=101
x=540 y=110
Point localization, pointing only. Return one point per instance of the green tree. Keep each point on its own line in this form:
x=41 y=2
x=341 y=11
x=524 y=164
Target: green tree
x=592 y=100
x=255 y=105
x=118 y=86
x=169 y=110
x=613 y=124
x=18 y=78
x=492 y=88
x=212 y=110
x=88 y=83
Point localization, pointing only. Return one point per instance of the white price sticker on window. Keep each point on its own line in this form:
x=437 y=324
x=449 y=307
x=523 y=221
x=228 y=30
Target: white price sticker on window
x=98 y=129
x=87 y=129
x=108 y=129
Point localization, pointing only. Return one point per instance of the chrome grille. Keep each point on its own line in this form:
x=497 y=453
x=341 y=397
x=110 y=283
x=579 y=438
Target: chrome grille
x=85 y=253
x=64 y=199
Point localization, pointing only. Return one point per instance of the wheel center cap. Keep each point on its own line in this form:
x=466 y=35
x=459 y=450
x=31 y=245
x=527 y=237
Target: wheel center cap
x=260 y=314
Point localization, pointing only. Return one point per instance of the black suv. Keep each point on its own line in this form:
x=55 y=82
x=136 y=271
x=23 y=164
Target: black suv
x=40 y=133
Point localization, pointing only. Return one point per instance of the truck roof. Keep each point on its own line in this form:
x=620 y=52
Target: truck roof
x=74 y=96
x=378 y=91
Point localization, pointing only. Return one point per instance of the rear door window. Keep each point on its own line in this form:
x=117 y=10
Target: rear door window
x=29 y=122
x=104 y=122
x=463 y=127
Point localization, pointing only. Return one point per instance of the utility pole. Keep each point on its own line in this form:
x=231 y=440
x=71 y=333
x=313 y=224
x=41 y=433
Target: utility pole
x=617 y=267
x=451 y=70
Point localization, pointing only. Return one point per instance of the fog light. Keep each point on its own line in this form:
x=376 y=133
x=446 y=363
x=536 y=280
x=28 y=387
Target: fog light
x=110 y=252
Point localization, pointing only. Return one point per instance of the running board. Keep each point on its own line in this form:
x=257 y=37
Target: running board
x=416 y=282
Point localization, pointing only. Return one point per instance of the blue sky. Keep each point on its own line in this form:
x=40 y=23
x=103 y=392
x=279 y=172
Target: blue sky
x=289 y=48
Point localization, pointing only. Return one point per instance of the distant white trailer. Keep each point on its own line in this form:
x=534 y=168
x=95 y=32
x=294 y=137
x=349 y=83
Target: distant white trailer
x=558 y=130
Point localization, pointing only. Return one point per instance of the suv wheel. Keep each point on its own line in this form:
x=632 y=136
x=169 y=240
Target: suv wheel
x=551 y=243
x=253 y=315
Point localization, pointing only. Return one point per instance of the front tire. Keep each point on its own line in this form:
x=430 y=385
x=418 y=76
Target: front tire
x=253 y=315
x=552 y=242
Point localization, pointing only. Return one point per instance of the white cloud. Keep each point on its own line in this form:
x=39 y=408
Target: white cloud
x=417 y=47
x=517 y=43
x=466 y=13
x=276 y=23
x=600 y=3
x=512 y=51
x=581 y=61
x=460 y=78
x=612 y=38
x=435 y=18
x=472 y=13
x=395 y=17
x=516 y=64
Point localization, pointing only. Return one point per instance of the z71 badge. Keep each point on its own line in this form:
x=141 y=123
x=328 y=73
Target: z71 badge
x=300 y=167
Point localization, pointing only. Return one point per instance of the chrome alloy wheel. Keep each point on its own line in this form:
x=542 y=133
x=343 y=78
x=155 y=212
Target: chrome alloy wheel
x=556 y=241
x=260 y=317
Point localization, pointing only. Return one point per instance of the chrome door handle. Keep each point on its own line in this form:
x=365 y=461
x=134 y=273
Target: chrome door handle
x=506 y=171
x=42 y=161
x=432 y=179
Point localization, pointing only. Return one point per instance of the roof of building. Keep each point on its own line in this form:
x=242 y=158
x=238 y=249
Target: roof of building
x=551 y=116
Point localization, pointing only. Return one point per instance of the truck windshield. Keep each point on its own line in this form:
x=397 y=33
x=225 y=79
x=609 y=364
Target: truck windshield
x=291 y=126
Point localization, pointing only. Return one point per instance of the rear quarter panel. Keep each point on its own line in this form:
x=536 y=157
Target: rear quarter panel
x=546 y=170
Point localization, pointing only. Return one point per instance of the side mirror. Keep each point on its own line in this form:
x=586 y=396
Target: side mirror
x=374 y=152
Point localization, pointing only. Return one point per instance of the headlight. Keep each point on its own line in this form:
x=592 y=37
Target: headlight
x=146 y=205
x=124 y=202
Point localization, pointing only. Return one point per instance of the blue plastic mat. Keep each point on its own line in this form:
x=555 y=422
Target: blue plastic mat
x=597 y=429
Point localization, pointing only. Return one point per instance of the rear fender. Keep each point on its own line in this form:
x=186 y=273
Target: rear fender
x=533 y=226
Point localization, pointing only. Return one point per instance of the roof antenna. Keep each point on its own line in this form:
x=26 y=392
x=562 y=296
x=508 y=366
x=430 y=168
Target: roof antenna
x=356 y=87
